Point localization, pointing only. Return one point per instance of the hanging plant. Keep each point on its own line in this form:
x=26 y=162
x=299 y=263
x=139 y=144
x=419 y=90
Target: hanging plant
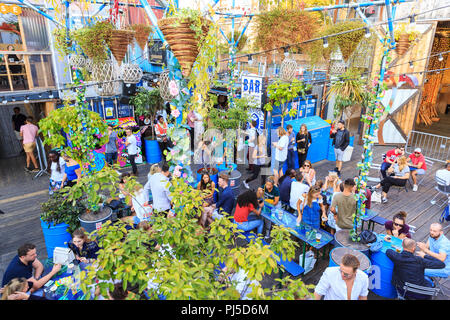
x=118 y=43
x=347 y=42
x=62 y=44
x=94 y=39
x=142 y=32
x=281 y=27
x=184 y=31
x=405 y=36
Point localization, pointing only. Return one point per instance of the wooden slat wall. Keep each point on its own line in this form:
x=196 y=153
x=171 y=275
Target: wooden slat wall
x=399 y=65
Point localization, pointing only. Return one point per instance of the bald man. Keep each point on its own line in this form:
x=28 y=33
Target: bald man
x=411 y=268
x=437 y=246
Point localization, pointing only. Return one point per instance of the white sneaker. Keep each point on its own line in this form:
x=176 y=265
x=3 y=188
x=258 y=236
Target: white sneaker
x=246 y=184
x=415 y=187
x=383 y=200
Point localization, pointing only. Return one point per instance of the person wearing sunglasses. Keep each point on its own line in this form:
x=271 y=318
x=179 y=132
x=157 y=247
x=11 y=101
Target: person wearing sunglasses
x=398 y=227
x=308 y=173
x=417 y=165
x=345 y=282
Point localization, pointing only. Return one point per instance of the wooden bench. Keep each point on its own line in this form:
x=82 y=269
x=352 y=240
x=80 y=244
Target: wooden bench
x=290 y=266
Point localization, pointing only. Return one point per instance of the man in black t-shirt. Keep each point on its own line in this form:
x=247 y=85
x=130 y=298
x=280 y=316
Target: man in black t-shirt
x=18 y=120
x=24 y=264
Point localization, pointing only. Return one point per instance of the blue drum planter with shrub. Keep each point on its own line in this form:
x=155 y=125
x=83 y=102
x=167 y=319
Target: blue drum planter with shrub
x=152 y=151
x=58 y=221
x=92 y=221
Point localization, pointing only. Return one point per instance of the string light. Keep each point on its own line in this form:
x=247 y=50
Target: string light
x=440 y=57
x=368 y=34
x=411 y=65
x=26 y=99
x=4 y=100
x=325 y=42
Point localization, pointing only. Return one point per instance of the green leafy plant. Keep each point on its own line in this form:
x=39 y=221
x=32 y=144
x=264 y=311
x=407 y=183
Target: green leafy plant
x=281 y=93
x=346 y=42
x=57 y=210
x=188 y=265
x=63 y=43
x=404 y=28
x=93 y=40
x=146 y=103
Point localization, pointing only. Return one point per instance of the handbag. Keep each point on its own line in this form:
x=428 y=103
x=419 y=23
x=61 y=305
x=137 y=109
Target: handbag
x=367 y=237
x=376 y=197
x=310 y=261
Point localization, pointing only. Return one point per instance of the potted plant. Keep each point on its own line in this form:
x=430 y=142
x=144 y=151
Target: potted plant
x=146 y=103
x=184 y=30
x=404 y=36
x=58 y=221
x=93 y=40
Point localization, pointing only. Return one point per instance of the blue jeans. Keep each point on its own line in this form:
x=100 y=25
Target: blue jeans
x=440 y=273
x=291 y=159
x=111 y=158
x=250 y=225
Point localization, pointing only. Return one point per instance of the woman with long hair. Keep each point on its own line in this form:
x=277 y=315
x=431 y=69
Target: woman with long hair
x=309 y=173
x=330 y=186
x=84 y=249
x=310 y=208
x=399 y=174
x=72 y=172
x=16 y=290
x=304 y=140
x=247 y=203
x=208 y=187
x=57 y=169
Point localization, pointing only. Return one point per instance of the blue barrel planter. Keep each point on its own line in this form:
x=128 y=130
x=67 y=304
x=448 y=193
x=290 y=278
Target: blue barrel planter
x=90 y=226
x=386 y=266
x=222 y=167
x=214 y=177
x=152 y=151
x=55 y=236
x=339 y=252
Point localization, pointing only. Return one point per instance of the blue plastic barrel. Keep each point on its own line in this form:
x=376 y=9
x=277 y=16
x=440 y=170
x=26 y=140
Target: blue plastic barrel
x=55 y=236
x=152 y=151
x=223 y=168
x=365 y=264
x=90 y=226
x=386 y=266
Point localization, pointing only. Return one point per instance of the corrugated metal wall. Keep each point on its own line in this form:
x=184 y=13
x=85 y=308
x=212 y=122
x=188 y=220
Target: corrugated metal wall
x=34 y=28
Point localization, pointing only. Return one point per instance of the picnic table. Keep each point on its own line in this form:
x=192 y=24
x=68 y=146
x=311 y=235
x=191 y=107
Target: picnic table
x=304 y=232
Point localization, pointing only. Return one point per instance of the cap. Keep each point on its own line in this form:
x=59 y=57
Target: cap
x=418 y=150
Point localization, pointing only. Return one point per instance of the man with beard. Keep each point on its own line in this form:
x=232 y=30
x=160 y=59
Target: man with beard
x=437 y=246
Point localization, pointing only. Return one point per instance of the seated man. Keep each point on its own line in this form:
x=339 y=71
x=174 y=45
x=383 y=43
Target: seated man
x=411 y=268
x=24 y=264
x=271 y=195
x=225 y=202
x=285 y=186
x=437 y=246
x=417 y=165
x=391 y=157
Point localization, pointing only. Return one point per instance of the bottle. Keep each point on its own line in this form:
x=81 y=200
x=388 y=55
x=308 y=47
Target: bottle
x=313 y=234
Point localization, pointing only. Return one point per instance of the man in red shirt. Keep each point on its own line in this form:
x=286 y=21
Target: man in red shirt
x=417 y=165
x=391 y=157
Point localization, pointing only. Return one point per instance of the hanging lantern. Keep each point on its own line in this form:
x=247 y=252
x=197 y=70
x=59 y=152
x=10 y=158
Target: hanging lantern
x=288 y=69
x=130 y=73
x=77 y=61
x=106 y=73
x=164 y=86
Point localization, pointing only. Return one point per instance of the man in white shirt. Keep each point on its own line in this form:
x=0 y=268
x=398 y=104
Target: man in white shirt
x=158 y=185
x=444 y=174
x=345 y=282
x=131 y=144
x=298 y=188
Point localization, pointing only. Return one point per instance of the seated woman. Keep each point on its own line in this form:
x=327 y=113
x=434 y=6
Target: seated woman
x=309 y=174
x=208 y=187
x=16 y=289
x=398 y=227
x=72 y=172
x=270 y=193
x=330 y=186
x=399 y=175
x=84 y=249
x=310 y=208
x=247 y=203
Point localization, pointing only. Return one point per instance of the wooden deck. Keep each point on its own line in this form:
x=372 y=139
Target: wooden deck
x=20 y=199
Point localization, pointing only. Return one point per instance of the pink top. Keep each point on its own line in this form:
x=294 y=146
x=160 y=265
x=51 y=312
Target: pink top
x=29 y=132
x=190 y=119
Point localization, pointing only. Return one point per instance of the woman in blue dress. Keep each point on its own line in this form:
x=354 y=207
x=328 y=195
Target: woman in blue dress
x=72 y=172
x=310 y=208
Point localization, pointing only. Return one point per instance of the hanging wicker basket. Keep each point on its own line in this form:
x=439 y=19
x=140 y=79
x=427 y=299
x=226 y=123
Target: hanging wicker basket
x=141 y=34
x=106 y=73
x=164 y=90
x=118 y=43
x=403 y=44
x=130 y=73
x=182 y=40
x=288 y=69
x=77 y=61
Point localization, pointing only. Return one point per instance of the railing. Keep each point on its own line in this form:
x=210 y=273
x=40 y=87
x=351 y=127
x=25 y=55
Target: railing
x=433 y=146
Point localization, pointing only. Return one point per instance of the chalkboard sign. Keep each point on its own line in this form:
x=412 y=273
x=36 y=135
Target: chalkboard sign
x=156 y=53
